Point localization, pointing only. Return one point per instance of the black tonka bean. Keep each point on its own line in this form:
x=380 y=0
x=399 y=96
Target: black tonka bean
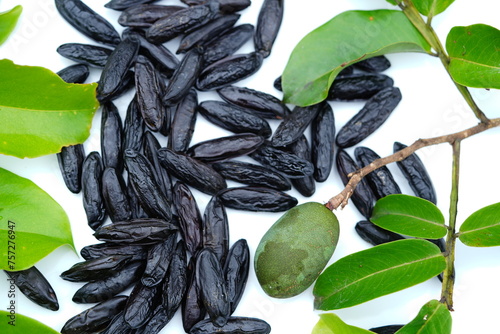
x=375 y=235
x=294 y=124
x=264 y=104
x=95 y=269
x=225 y=147
x=323 y=143
x=192 y=171
x=183 y=123
x=141 y=304
x=77 y=73
x=117 y=66
x=155 y=324
x=140 y=231
x=233 y=118
x=373 y=114
x=88 y=54
x=175 y=283
x=234 y=325
x=201 y=36
x=362 y=197
x=124 y=4
x=158 y=260
x=416 y=174
x=133 y=127
x=184 y=77
x=306 y=185
x=178 y=23
x=150 y=146
x=95 y=318
x=149 y=93
x=70 y=161
x=212 y=287
x=282 y=161
x=229 y=70
x=93 y=202
x=160 y=55
x=228 y=43
x=87 y=21
x=380 y=180
x=216 y=228
x=268 y=25
x=236 y=271
x=389 y=329
x=33 y=284
x=111 y=137
x=358 y=86
x=252 y=174
x=114 y=193
x=124 y=86
x=190 y=219
x=192 y=309
x=257 y=199
x=144 y=180
x=144 y=15
x=231 y=6
x=95 y=251
x=374 y=64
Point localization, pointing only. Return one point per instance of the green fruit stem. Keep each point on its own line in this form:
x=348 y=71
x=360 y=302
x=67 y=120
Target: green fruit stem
x=431 y=37
x=451 y=237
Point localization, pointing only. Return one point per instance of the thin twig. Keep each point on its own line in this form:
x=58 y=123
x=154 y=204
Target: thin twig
x=342 y=198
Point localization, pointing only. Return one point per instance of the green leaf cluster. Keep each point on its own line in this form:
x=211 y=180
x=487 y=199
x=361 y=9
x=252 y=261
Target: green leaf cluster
x=39 y=114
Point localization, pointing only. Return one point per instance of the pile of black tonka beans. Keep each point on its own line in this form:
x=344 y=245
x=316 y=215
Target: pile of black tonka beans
x=158 y=244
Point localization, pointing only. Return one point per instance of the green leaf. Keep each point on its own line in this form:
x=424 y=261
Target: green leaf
x=330 y=323
x=433 y=318
x=18 y=323
x=475 y=56
x=8 y=21
x=409 y=215
x=482 y=228
x=40 y=113
x=324 y=52
x=32 y=224
x=432 y=7
x=376 y=272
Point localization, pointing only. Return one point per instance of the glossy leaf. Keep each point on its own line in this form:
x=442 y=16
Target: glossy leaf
x=22 y=324
x=32 y=224
x=409 y=215
x=330 y=323
x=433 y=318
x=474 y=56
x=40 y=113
x=376 y=272
x=8 y=21
x=324 y=52
x=482 y=228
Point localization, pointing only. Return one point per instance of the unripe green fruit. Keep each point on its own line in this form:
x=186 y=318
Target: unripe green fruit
x=295 y=250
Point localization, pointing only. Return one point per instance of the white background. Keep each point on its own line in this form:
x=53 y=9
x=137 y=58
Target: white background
x=431 y=106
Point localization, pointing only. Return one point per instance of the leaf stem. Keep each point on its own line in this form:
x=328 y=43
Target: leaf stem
x=449 y=273
x=431 y=37
x=341 y=199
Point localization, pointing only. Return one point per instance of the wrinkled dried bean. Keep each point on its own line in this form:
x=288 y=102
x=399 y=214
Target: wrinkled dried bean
x=33 y=284
x=144 y=15
x=375 y=235
x=252 y=174
x=215 y=230
x=323 y=142
x=70 y=161
x=234 y=325
x=415 y=172
x=227 y=43
x=362 y=197
x=140 y=231
x=95 y=251
x=374 y=113
x=268 y=25
x=190 y=220
x=182 y=128
x=88 y=54
x=358 y=86
x=158 y=260
x=175 y=282
x=133 y=127
x=228 y=70
x=225 y=147
x=306 y=185
x=141 y=304
x=93 y=202
x=191 y=171
x=77 y=73
x=95 y=269
x=374 y=64
x=111 y=137
x=256 y=199
x=114 y=193
x=236 y=271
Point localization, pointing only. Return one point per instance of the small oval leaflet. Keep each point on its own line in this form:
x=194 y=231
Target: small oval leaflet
x=409 y=215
